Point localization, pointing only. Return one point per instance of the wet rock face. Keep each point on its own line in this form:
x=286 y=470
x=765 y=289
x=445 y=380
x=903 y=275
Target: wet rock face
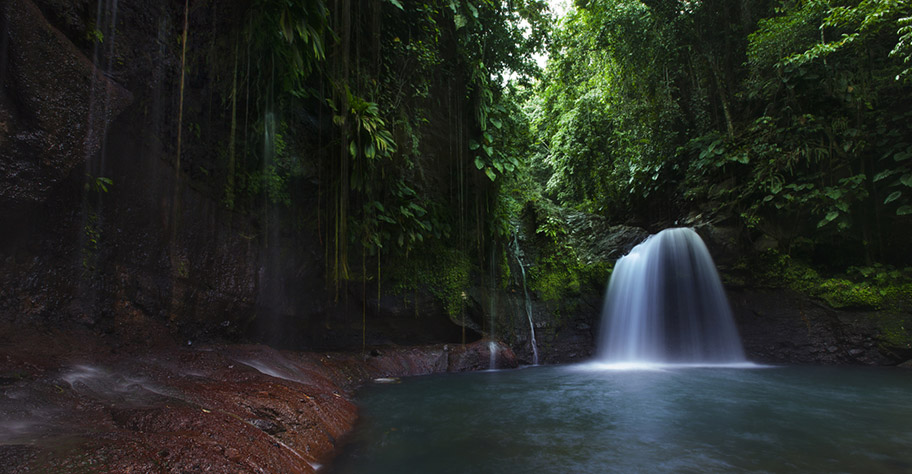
x=208 y=271
x=565 y=330
x=598 y=241
x=781 y=326
x=54 y=106
x=722 y=243
x=70 y=401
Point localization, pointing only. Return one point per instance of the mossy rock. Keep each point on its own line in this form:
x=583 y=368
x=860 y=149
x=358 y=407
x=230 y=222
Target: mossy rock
x=840 y=293
x=444 y=271
x=895 y=333
x=877 y=287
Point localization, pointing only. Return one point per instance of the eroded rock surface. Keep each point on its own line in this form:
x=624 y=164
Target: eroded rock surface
x=783 y=326
x=71 y=401
x=55 y=106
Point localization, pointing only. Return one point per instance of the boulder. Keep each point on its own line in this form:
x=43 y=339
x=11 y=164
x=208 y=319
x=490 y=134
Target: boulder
x=721 y=241
x=598 y=241
x=55 y=106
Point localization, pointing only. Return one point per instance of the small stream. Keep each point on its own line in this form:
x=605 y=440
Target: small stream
x=592 y=419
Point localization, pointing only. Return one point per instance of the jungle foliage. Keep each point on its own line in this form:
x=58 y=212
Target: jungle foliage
x=392 y=126
x=791 y=119
x=382 y=124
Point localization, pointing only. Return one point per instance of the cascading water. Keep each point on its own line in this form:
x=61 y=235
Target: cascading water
x=492 y=308
x=665 y=303
x=527 y=301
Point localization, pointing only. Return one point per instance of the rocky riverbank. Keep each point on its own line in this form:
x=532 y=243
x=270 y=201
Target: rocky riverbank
x=72 y=400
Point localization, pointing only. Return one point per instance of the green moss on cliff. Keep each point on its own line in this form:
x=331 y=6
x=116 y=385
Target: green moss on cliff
x=441 y=270
x=873 y=287
x=554 y=279
x=882 y=288
x=895 y=331
x=560 y=273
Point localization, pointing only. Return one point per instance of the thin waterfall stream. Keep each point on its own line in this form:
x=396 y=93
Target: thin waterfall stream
x=527 y=301
x=492 y=308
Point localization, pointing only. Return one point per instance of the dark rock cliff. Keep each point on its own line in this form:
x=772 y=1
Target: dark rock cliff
x=102 y=229
x=55 y=106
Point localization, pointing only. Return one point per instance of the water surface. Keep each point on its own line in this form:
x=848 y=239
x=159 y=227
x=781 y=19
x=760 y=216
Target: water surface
x=591 y=418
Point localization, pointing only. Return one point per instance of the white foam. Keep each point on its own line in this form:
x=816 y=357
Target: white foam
x=660 y=366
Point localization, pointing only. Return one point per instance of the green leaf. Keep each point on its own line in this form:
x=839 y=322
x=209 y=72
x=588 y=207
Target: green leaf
x=479 y=163
x=892 y=197
x=490 y=173
x=497 y=123
x=459 y=20
x=286 y=28
x=829 y=218
x=397 y=4
x=902 y=156
x=353 y=149
x=420 y=211
x=906 y=179
x=834 y=193
x=882 y=175
x=904 y=210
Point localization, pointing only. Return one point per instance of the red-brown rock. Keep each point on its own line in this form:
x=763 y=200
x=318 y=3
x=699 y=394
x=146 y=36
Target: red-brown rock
x=70 y=401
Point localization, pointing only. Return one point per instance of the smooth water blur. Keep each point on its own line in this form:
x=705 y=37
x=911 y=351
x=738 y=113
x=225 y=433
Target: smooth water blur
x=665 y=303
x=581 y=419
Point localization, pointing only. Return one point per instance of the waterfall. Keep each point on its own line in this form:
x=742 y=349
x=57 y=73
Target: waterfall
x=665 y=303
x=528 y=302
x=492 y=350
x=492 y=309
